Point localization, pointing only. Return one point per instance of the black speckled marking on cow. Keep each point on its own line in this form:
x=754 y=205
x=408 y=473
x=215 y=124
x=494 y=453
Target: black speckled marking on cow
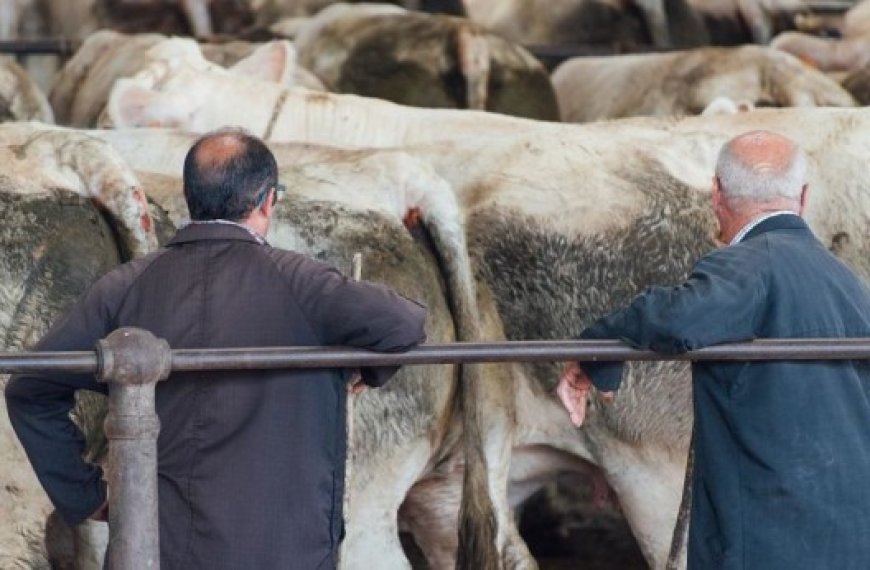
x=413 y=60
x=405 y=409
x=550 y=285
x=56 y=244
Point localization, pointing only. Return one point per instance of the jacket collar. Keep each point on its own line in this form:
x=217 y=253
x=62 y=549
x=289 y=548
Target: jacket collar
x=213 y=231
x=780 y=222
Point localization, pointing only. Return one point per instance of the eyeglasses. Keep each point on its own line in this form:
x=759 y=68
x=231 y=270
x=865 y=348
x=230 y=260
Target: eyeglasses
x=279 y=191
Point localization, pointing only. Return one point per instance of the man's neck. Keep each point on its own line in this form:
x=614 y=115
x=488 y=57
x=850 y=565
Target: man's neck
x=242 y=224
x=747 y=223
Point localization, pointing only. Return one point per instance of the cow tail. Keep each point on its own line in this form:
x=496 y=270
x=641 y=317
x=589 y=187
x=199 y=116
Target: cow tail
x=478 y=527
x=473 y=57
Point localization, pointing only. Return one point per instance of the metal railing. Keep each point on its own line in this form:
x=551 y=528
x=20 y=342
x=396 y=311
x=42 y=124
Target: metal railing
x=132 y=361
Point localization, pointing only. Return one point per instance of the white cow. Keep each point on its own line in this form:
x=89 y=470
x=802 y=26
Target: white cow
x=55 y=240
x=849 y=53
x=82 y=88
x=563 y=224
x=539 y=22
x=182 y=96
x=686 y=82
x=20 y=97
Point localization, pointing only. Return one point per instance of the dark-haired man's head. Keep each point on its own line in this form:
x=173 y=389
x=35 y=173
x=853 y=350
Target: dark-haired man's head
x=228 y=174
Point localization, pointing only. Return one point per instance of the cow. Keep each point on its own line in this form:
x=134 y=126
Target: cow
x=181 y=97
x=846 y=53
x=269 y=13
x=740 y=21
x=71 y=209
x=617 y=206
x=75 y=21
x=383 y=51
x=20 y=98
x=662 y=23
x=82 y=87
x=419 y=407
x=686 y=82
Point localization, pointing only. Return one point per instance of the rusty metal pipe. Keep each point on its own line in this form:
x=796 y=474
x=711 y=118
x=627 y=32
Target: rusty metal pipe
x=25 y=362
x=39 y=46
x=132 y=361
x=517 y=351
x=512 y=351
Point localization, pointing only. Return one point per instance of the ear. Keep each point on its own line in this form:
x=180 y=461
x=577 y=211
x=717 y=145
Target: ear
x=273 y=61
x=805 y=193
x=716 y=195
x=269 y=203
x=132 y=105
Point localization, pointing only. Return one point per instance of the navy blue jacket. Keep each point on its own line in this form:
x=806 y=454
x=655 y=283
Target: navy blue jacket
x=250 y=464
x=782 y=451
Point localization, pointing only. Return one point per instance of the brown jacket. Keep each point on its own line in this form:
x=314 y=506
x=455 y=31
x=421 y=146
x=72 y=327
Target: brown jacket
x=251 y=464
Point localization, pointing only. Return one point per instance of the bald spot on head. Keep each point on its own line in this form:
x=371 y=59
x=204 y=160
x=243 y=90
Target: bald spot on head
x=214 y=151
x=225 y=175
x=761 y=166
x=763 y=152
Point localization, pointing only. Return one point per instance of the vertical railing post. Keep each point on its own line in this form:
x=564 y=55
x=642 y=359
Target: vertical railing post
x=132 y=361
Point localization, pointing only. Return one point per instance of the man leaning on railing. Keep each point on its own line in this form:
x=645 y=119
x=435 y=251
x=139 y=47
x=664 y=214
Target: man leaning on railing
x=250 y=463
x=782 y=448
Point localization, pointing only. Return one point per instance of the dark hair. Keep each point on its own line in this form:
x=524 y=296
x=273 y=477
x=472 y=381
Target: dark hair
x=226 y=174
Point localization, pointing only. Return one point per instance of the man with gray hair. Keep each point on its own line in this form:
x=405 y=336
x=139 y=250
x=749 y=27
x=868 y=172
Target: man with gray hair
x=782 y=452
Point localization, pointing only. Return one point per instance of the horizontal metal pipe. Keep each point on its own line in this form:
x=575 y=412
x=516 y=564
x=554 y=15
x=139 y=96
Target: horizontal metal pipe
x=24 y=362
x=188 y=360
x=38 y=46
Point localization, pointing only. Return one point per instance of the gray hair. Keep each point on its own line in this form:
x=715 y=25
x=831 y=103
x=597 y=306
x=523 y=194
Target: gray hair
x=761 y=181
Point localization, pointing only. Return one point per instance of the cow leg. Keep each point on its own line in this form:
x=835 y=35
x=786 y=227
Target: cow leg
x=755 y=17
x=198 y=17
x=656 y=21
x=430 y=512
x=82 y=547
x=91 y=542
x=649 y=484
x=372 y=532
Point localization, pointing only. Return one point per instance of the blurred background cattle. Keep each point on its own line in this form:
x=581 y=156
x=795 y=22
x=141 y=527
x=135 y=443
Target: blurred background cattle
x=377 y=111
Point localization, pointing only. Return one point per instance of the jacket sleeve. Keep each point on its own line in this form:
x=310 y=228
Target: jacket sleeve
x=39 y=406
x=719 y=303
x=359 y=314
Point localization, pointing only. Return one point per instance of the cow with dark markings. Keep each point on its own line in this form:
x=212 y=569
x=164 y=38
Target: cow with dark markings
x=618 y=206
x=71 y=210
x=423 y=60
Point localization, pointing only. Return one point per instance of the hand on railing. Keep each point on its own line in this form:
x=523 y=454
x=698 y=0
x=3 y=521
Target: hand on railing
x=573 y=390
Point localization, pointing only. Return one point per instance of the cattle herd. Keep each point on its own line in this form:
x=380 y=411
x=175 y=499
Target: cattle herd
x=523 y=226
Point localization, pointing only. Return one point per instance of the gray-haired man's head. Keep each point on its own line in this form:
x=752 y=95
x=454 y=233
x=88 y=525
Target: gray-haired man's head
x=757 y=173
x=761 y=166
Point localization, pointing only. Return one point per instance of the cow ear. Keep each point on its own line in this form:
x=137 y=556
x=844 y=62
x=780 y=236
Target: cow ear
x=131 y=105
x=273 y=61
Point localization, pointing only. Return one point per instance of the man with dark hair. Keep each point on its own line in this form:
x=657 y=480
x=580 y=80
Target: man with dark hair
x=250 y=464
x=782 y=452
